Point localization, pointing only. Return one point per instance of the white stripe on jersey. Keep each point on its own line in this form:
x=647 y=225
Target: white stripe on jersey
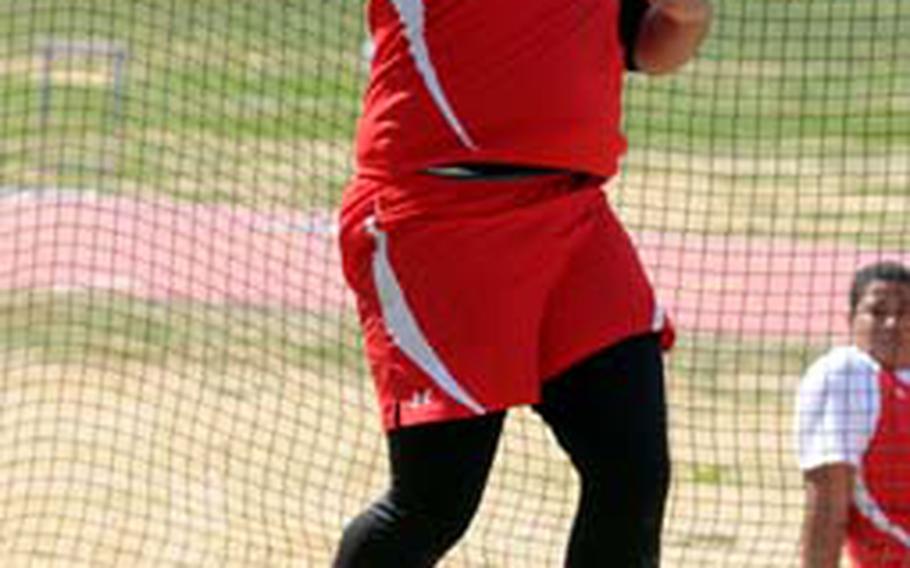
x=411 y=13
x=403 y=328
x=870 y=509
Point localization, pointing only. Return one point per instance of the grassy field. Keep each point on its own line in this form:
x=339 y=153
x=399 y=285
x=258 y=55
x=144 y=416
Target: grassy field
x=96 y=327
x=182 y=465
x=794 y=122
x=217 y=436
x=254 y=103
x=244 y=102
x=183 y=434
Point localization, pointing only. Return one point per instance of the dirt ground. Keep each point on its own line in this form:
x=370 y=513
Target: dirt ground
x=148 y=467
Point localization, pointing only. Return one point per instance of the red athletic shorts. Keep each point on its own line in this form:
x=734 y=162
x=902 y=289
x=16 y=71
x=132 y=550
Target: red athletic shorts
x=471 y=294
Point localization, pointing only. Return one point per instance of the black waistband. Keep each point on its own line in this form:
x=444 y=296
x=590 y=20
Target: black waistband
x=492 y=171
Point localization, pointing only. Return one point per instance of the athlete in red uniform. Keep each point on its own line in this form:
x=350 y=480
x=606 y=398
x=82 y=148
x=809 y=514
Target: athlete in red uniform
x=853 y=432
x=490 y=271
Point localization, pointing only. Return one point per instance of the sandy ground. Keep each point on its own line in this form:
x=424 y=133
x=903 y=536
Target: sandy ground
x=144 y=467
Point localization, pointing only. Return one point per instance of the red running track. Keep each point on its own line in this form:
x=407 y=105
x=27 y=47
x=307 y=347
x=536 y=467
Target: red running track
x=164 y=250
x=756 y=286
x=168 y=251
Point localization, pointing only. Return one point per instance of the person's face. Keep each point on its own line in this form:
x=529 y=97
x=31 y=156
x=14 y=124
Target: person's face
x=881 y=323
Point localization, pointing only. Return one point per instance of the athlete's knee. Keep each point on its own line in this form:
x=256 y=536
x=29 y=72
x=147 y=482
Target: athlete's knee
x=441 y=522
x=369 y=539
x=398 y=535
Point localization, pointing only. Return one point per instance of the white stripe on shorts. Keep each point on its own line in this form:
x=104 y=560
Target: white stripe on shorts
x=402 y=326
x=658 y=319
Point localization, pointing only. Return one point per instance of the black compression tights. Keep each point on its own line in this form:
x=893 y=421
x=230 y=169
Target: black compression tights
x=608 y=413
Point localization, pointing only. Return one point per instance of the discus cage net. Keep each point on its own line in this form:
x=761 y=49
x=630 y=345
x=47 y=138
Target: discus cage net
x=181 y=379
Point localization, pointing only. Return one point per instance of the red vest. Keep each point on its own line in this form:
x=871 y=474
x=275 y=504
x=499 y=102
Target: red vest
x=531 y=82
x=886 y=474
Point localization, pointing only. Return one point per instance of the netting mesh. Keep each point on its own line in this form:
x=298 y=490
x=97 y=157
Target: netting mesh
x=181 y=382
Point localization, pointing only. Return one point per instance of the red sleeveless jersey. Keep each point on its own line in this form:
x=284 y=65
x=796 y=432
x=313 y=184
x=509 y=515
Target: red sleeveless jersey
x=878 y=533
x=530 y=82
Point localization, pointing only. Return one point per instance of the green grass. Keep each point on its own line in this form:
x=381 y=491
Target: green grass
x=748 y=371
x=211 y=89
x=731 y=405
x=109 y=329
x=772 y=75
x=775 y=72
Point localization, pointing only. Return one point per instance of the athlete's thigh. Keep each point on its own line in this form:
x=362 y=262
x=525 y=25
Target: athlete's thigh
x=441 y=468
x=609 y=410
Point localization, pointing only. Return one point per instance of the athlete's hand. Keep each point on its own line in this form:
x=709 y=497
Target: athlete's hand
x=670 y=34
x=683 y=11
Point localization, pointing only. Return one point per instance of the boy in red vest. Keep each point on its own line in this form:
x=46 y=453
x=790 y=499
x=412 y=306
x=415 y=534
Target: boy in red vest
x=853 y=430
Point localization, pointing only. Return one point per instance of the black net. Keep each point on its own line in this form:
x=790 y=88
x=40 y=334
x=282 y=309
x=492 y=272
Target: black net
x=181 y=380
